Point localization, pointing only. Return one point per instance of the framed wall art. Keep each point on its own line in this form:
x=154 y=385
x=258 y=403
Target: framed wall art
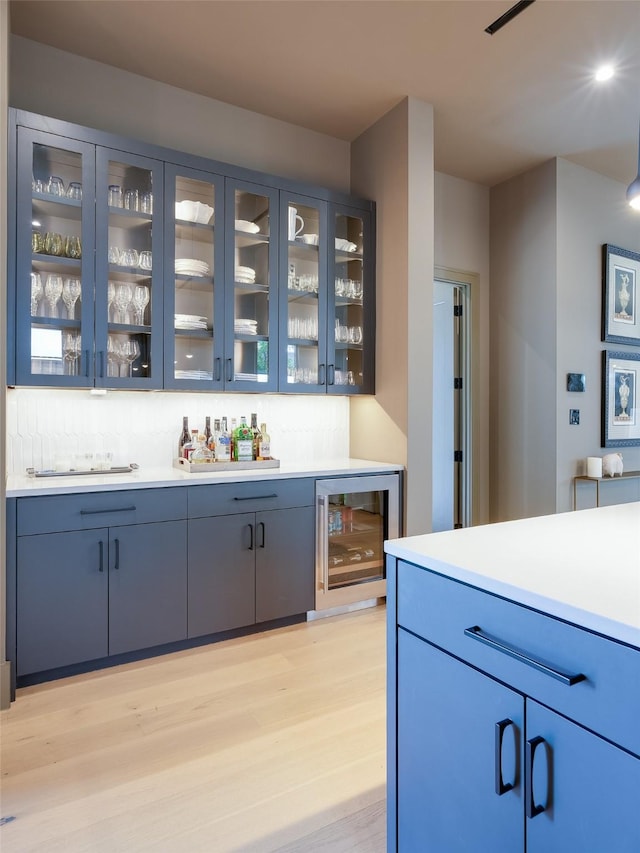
x=620 y=293
x=620 y=405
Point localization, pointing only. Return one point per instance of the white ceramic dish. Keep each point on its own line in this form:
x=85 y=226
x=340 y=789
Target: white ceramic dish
x=248 y=227
x=345 y=245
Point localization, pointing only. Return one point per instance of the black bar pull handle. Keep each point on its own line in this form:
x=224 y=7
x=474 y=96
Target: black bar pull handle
x=101 y=353
x=321 y=374
x=568 y=678
x=229 y=370
x=256 y=497
x=262 y=538
x=251 y=537
x=218 y=362
x=529 y=756
x=116 y=565
x=101 y=563
x=331 y=374
x=100 y=511
x=86 y=363
x=500 y=785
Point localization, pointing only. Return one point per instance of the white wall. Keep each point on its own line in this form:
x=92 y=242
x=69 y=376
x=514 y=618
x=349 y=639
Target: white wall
x=461 y=247
x=592 y=210
x=143 y=426
x=55 y=83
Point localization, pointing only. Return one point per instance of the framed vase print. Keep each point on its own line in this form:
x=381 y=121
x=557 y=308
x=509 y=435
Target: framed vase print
x=620 y=293
x=620 y=403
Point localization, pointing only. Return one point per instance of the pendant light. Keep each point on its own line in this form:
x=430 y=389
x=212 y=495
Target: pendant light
x=633 y=190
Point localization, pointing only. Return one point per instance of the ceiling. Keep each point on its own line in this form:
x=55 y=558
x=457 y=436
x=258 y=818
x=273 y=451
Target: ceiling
x=502 y=103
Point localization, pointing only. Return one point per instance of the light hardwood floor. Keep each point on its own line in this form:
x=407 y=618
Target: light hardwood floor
x=273 y=742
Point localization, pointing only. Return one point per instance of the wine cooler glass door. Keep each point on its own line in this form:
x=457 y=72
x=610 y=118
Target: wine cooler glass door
x=354 y=518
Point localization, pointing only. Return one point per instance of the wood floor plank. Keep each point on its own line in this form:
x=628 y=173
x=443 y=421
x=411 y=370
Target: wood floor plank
x=259 y=743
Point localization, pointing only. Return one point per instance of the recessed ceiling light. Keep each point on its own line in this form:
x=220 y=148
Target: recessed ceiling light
x=605 y=72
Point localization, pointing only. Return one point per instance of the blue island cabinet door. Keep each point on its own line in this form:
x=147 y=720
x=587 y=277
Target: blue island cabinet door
x=588 y=790
x=61 y=599
x=147 y=585
x=451 y=747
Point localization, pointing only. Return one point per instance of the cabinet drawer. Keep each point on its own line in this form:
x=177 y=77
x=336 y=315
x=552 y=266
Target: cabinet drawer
x=56 y=513
x=231 y=498
x=607 y=701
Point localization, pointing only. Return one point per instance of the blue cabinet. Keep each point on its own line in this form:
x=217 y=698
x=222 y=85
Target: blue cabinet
x=509 y=730
x=141 y=267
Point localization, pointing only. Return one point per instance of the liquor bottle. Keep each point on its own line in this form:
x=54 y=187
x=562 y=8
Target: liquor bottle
x=264 y=444
x=185 y=437
x=223 y=443
x=232 y=435
x=207 y=432
x=243 y=444
x=255 y=433
x=191 y=446
x=201 y=453
x=215 y=438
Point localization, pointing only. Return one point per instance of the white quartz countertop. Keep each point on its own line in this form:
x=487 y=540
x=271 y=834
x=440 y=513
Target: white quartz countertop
x=19 y=485
x=583 y=567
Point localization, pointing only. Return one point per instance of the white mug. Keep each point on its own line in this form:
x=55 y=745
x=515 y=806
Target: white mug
x=293 y=223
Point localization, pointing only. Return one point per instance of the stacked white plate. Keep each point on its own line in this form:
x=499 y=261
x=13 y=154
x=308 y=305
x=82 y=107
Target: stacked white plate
x=345 y=245
x=246 y=275
x=193 y=374
x=190 y=321
x=248 y=227
x=245 y=327
x=192 y=266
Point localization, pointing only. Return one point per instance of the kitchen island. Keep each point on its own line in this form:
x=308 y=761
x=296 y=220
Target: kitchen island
x=514 y=686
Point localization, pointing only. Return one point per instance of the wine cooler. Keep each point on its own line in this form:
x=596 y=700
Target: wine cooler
x=354 y=516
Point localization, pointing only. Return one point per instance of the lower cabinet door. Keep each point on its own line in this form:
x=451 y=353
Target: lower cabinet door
x=285 y=541
x=221 y=573
x=448 y=801
x=62 y=597
x=589 y=789
x=147 y=585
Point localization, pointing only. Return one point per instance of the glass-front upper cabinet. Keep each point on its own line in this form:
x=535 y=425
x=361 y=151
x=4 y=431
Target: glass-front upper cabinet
x=351 y=339
x=251 y=307
x=194 y=276
x=128 y=292
x=54 y=260
x=303 y=317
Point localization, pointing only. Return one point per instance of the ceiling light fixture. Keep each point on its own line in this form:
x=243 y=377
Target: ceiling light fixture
x=605 y=72
x=633 y=190
x=509 y=15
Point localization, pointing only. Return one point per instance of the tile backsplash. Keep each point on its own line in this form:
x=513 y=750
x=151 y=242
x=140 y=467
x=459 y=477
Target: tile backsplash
x=141 y=426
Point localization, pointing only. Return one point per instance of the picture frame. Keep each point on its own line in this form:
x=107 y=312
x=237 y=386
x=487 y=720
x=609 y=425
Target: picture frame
x=620 y=399
x=620 y=295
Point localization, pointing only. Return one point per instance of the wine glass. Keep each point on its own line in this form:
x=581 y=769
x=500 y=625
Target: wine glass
x=70 y=293
x=130 y=351
x=36 y=292
x=112 y=355
x=122 y=300
x=70 y=351
x=140 y=301
x=53 y=292
x=111 y=295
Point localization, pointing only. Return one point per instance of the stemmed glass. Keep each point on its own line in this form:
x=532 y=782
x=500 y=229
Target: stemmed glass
x=140 y=302
x=130 y=351
x=111 y=295
x=70 y=351
x=122 y=300
x=53 y=292
x=36 y=292
x=112 y=356
x=71 y=290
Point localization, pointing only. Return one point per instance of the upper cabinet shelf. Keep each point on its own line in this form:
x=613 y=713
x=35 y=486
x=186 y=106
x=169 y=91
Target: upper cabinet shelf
x=140 y=267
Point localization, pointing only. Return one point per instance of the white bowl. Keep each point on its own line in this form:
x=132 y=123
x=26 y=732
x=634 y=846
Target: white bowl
x=310 y=239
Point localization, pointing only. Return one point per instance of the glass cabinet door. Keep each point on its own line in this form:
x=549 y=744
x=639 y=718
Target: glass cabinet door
x=128 y=299
x=251 y=308
x=54 y=260
x=351 y=301
x=303 y=318
x=194 y=295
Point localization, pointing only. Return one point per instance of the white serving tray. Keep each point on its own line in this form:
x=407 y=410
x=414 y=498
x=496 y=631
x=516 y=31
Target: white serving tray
x=212 y=467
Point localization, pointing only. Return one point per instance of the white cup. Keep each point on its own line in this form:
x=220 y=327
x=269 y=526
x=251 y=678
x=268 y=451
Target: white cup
x=594 y=466
x=294 y=230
